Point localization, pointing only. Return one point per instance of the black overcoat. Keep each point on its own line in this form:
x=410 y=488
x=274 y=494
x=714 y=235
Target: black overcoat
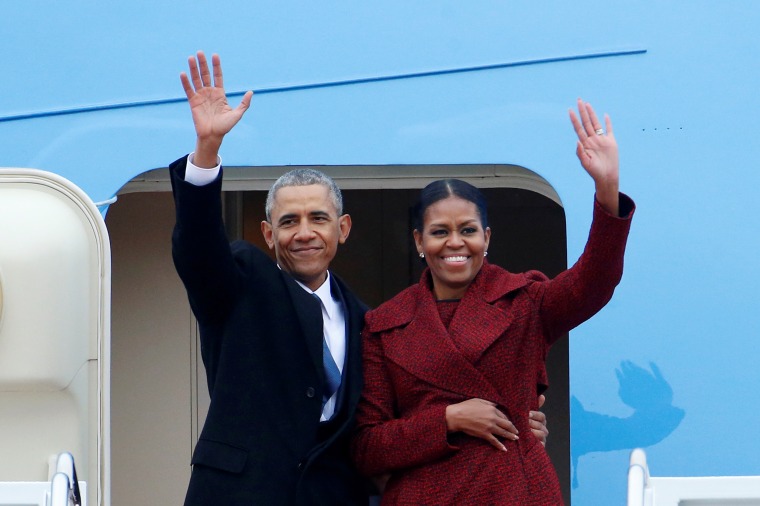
x=261 y=344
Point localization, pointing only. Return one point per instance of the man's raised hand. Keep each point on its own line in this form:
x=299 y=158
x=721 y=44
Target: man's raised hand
x=212 y=115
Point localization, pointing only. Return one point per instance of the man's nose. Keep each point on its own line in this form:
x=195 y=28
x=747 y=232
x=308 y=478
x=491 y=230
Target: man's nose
x=304 y=232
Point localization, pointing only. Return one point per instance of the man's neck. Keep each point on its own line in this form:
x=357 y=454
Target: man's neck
x=309 y=288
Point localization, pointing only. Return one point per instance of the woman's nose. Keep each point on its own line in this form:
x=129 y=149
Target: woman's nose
x=455 y=241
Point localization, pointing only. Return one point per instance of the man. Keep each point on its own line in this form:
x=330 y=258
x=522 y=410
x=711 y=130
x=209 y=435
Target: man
x=280 y=341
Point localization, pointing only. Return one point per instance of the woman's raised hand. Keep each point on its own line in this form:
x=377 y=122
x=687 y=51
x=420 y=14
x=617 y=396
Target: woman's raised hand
x=597 y=151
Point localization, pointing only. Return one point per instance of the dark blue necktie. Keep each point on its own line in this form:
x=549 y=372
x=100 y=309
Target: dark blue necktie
x=332 y=373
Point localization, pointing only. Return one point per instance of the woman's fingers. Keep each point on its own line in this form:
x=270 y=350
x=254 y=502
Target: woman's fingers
x=496 y=443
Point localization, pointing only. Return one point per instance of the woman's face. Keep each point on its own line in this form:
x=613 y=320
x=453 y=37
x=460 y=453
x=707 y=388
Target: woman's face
x=454 y=242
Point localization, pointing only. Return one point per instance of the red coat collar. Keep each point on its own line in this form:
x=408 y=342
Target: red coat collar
x=419 y=343
x=489 y=285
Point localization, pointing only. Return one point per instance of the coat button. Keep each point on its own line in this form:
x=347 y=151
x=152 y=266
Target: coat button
x=310 y=392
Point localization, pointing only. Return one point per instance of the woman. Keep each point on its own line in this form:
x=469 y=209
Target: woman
x=451 y=364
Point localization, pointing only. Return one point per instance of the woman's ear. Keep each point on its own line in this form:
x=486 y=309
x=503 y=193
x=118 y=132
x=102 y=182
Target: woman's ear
x=417 y=240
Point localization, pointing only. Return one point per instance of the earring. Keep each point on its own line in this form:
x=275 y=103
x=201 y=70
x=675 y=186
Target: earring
x=485 y=254
x=422 y=255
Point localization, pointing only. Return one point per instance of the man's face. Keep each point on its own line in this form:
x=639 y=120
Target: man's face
x=305 y=232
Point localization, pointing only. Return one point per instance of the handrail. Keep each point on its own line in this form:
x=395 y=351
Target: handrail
x=60 y=490
x=64 y=488
x=638 y=478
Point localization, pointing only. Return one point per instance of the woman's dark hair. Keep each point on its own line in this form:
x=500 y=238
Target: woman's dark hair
x=444 y=188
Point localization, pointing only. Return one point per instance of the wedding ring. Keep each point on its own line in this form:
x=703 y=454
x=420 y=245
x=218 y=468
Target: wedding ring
x=599 y=131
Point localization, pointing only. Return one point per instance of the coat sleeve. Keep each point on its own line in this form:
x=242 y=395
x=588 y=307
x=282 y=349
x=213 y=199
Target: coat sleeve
x=200 y=249
x=581 y=291
x=382 y=441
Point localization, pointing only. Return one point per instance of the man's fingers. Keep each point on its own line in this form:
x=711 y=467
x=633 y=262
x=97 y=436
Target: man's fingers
x=195 y=76
x=189 y=91
x=538 y=427
x=216 y=63
x=245 y=103
x=538 y=417
x=203 y=69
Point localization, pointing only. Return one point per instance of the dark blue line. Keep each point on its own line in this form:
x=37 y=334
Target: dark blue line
x=329 y=84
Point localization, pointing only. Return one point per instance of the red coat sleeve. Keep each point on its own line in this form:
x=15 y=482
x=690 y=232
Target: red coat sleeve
x=578 y=293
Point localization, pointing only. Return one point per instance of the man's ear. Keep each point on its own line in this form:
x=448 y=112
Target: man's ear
x=344 y=224
x=268 y=233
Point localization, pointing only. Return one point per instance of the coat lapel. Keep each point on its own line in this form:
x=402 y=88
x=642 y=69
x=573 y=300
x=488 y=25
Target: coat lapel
x=309 y=314
x=428 y=351
x=351 y=379
x=425 y=349
x=354 y=322
x=477 y=324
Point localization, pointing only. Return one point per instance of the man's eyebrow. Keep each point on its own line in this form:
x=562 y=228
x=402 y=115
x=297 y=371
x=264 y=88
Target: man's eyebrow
x=286 y=217
x=294 y=216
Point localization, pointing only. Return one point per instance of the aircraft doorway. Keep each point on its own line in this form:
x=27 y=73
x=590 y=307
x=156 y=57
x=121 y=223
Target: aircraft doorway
x=159 y=396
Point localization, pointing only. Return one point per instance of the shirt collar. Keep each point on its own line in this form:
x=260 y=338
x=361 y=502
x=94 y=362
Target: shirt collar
x=329 y=304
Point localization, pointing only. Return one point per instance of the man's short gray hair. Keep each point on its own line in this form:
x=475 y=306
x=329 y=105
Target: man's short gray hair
x=304 y=177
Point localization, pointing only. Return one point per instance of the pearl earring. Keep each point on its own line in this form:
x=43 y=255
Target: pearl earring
x=485 y=254
x=422 y=255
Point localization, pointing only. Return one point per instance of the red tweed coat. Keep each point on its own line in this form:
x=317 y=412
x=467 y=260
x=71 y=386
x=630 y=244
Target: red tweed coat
x=502 y=328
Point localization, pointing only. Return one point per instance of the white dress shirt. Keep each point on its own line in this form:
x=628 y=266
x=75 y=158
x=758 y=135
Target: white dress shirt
x=199 y=176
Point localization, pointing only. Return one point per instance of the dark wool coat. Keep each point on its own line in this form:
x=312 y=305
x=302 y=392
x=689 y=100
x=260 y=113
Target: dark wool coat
x=494 y=349
x=261 y=342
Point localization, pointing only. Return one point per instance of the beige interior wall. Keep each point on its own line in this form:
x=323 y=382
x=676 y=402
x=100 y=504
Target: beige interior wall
x=152 y=352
